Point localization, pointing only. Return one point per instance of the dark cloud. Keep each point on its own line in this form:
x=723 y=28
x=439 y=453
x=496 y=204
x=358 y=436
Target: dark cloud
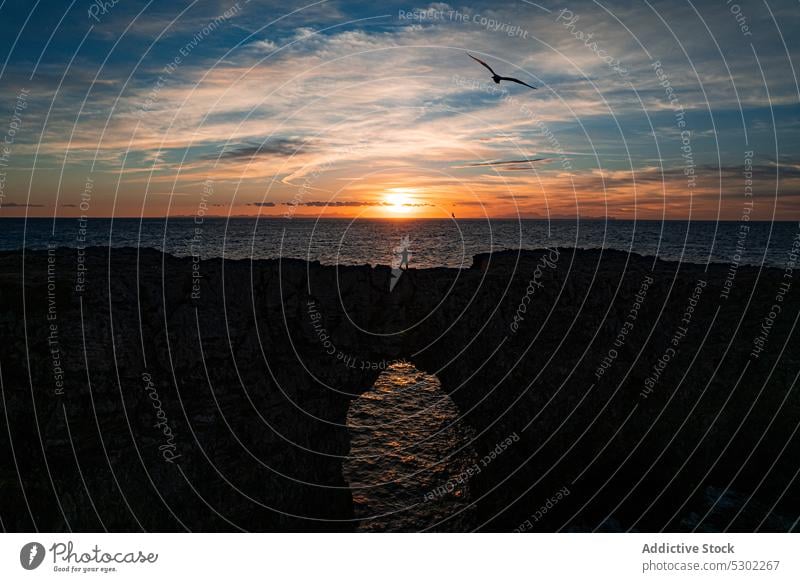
x=508 y=165
x=708 y=178
x=515 y=167
x=514 y=196
x=279 y=147
x=17 y=205
x=265 y=204
x=762 y=173
x=349 y=203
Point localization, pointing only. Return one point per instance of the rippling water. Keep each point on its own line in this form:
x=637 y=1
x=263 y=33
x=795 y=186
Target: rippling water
x=432 y=243
x=407 y=441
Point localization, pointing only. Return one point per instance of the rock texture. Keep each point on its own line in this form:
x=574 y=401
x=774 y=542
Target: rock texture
x=169 y=394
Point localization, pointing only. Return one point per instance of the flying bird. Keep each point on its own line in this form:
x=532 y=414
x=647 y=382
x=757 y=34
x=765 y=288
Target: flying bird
x=497 y=78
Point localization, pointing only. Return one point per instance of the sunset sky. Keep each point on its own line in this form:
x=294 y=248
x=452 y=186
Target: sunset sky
x=374 y=109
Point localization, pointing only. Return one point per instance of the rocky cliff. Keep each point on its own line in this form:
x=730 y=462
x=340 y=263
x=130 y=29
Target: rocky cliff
x=146 y=392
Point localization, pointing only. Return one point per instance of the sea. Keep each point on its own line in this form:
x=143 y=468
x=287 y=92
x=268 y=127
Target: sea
x=429 y=243
x=410 y=450
x=410 y=456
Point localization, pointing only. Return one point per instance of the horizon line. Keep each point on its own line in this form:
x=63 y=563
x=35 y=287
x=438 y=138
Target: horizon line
x=391 y=219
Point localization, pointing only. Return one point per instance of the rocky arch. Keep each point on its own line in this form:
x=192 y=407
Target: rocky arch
x=260 y=438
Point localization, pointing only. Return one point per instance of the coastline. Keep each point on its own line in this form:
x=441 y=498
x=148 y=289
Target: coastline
x=256 y=408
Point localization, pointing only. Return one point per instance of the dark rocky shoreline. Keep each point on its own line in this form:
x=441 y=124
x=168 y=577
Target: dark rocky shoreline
x=169 y=394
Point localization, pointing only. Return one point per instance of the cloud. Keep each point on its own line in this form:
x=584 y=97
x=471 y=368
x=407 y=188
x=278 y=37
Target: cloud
x=353 y=203
x=18 y=205
x=524 y=164
x=281 y=147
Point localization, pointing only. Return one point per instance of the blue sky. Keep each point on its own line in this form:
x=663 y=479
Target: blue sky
x=376 y=106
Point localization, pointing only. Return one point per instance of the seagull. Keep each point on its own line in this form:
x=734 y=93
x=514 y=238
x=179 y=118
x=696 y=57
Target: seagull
x=497 y=78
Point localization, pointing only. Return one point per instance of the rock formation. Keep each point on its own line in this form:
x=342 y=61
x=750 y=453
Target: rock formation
x=141 y=391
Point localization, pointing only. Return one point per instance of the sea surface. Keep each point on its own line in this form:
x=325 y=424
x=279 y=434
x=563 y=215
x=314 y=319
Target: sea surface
x=409 y=456
x=430 y=243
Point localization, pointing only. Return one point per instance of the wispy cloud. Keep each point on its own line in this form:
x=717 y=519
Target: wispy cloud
x=280 y=147
x=355 y=203
x=523 y=164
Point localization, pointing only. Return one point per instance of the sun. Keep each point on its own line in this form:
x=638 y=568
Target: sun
x=398 y=200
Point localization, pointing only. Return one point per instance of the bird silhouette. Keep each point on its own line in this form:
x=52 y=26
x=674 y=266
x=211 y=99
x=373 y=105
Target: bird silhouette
x=497 y=78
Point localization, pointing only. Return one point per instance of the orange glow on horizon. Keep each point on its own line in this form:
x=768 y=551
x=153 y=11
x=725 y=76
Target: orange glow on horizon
x=410 y=196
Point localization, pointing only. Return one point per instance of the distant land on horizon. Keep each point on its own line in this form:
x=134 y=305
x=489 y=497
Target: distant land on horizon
x=394 y=219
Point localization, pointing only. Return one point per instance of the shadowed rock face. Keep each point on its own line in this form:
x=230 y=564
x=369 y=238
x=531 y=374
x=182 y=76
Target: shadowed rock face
x=170 y=395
